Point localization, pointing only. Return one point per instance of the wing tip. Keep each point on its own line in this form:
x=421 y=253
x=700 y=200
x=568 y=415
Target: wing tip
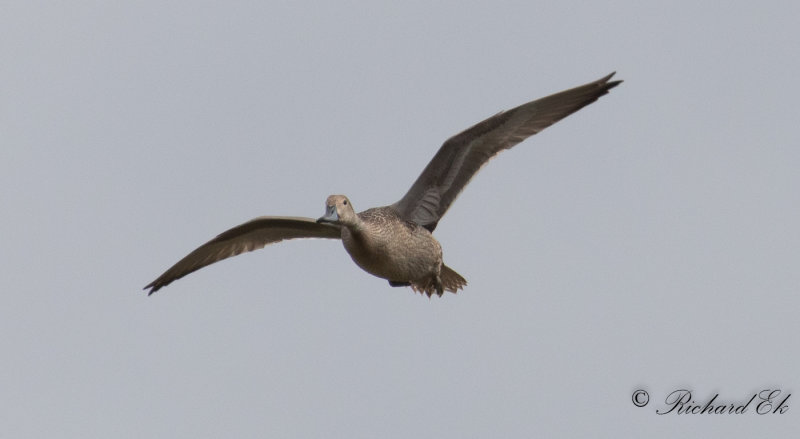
x=608 y=85
x=154 y=286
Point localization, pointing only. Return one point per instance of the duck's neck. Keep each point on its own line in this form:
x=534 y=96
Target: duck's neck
x=356 y=227
x=357 y=241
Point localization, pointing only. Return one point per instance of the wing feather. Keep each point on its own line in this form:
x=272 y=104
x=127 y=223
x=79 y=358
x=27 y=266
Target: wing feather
x=252 y=235
x=461 y=156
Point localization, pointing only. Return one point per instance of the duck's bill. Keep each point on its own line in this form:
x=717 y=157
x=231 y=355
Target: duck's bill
x=330 y=216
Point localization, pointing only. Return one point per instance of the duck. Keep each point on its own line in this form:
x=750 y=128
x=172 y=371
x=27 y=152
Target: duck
x=396 y=242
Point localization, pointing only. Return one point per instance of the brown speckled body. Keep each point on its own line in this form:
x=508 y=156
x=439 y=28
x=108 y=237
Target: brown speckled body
x=389 y=247
x=386 y=245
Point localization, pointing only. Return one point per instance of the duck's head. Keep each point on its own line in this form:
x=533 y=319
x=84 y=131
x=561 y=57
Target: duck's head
x=338 y=210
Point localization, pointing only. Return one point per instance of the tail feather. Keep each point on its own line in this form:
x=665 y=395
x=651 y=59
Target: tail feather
x=450 y=281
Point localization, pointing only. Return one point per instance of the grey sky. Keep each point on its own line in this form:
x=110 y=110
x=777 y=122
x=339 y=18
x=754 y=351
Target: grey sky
x=648 y=241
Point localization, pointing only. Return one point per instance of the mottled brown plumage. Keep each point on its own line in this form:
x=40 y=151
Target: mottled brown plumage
x=395 y=242
x=384 y=244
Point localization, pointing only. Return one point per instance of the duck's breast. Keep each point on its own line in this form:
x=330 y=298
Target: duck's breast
x=389 y=247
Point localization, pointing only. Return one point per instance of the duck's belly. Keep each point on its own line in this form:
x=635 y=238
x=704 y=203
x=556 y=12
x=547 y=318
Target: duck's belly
x=402 y=254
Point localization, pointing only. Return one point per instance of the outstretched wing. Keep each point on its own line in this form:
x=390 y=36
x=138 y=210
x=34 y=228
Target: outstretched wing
x=252 y=235
x=461 y=156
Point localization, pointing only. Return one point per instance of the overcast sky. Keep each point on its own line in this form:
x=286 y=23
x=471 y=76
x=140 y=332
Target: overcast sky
x=649 y=241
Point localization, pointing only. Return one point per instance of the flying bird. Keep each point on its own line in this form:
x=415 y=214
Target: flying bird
x=395 y=242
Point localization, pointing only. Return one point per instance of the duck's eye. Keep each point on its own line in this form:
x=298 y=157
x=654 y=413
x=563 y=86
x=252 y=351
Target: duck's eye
x=344 y=202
